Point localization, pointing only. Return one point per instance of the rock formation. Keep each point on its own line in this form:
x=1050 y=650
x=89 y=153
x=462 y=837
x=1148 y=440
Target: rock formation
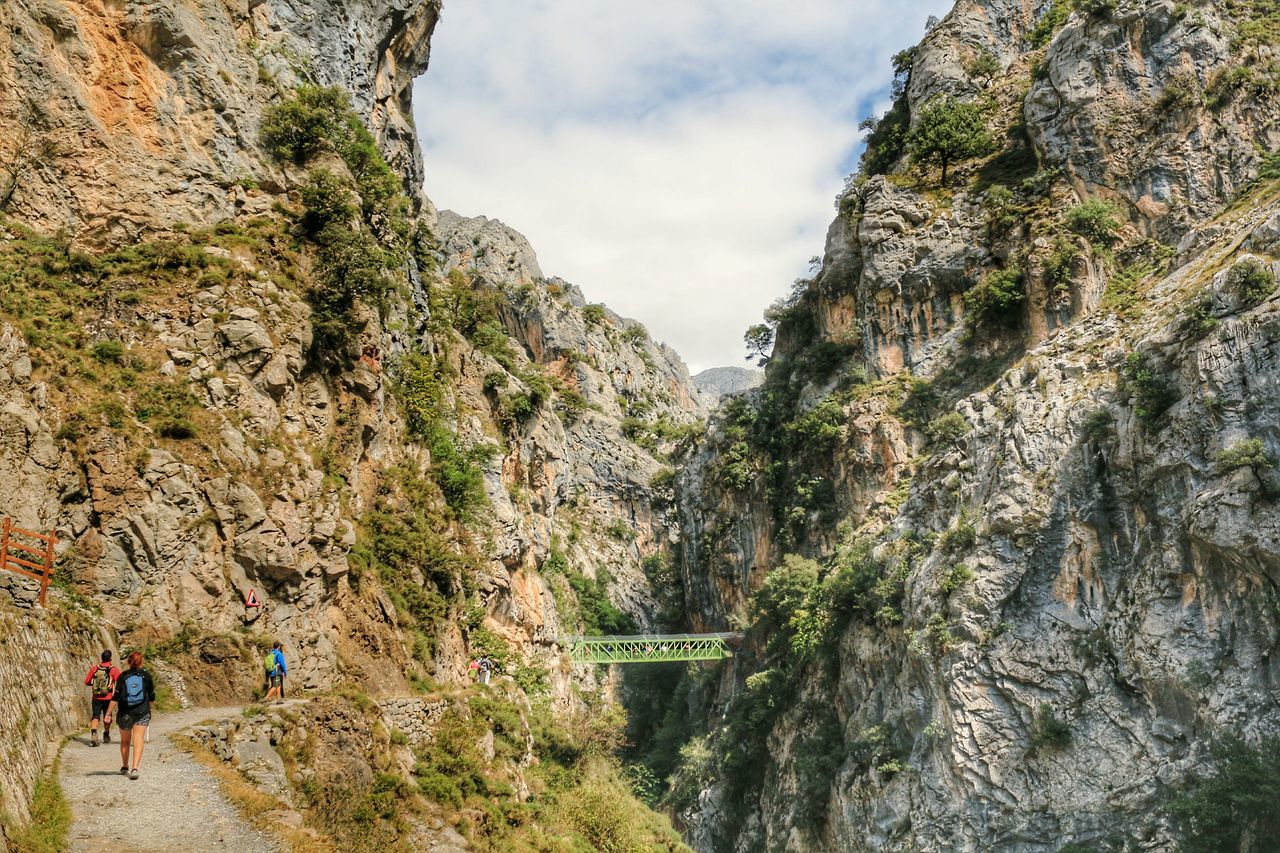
x=134 y=117
x=1045 y=528
x=1000 y=519
x=717 y=382
x=469 y=461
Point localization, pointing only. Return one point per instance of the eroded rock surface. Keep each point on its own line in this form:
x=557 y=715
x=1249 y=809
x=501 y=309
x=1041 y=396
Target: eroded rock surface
x=1059 y=495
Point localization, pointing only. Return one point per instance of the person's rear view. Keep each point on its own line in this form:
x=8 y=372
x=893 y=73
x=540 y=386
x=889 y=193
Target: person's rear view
x=102 y=681
x=131 y=709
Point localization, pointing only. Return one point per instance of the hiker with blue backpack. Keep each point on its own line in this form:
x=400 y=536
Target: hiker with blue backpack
x=276 y=670
x=131 y=709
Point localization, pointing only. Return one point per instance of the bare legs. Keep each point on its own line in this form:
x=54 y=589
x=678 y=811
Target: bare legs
x=139 y=742
x=137 y=738
x=126 y=735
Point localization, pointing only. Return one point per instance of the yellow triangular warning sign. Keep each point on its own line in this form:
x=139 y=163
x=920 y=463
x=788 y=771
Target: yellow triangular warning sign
x=251 y=600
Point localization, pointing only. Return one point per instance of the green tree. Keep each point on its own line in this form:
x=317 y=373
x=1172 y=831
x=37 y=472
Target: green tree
x=949 y=130
x=759 y=339
x=304 y=125
x=1233 y=806
x=1095 y=220
x=997 y=296
x=326 y=200
x=983 y=66
x=887 y=134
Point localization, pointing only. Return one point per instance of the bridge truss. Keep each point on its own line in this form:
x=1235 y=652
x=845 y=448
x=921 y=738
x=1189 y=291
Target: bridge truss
x=652 y=648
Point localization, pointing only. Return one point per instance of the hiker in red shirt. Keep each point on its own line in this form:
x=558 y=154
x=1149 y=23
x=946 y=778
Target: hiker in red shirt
x=102 y=679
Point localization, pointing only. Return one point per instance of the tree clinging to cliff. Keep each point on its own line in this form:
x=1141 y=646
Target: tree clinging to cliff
x=949 y=130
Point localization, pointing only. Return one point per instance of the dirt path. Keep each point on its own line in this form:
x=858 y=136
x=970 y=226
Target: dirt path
x=175 y=805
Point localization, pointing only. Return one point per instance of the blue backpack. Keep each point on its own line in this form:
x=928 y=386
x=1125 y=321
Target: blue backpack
x=135 y=689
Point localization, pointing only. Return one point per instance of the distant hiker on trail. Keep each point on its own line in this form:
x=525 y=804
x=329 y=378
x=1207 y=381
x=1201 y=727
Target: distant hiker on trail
x=102 y=680
x=276 y=670
x=486 y=669
x=135 y=691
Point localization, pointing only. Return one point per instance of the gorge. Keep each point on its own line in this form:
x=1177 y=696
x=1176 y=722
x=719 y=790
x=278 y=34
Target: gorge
x=998 y=523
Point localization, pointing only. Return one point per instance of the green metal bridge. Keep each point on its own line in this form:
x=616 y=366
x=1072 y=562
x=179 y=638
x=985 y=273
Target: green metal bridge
x=651 y=648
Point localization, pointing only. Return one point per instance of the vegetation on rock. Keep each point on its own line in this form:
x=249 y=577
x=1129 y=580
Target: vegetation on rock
x=949 y=131
x=1232 y=807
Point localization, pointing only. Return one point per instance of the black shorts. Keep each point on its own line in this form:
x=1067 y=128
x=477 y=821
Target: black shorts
x=141 y=717
x=100 y=707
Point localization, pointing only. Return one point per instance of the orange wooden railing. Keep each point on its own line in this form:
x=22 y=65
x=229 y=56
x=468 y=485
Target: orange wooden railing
x=42 y=570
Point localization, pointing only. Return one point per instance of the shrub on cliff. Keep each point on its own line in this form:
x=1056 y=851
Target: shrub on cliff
x=317 y=119
x=819 y=429
x=599 y=615
x=819 y=752
x=1232 y=806
x=1060 y=264
x=1153 y=392
x=1049 y=731
x=947 y=429
x=1095 y=220
x=1181 y=92
x=326 y=200
x=420 y=385
x=984 y=65
x=948 y=131
x=784 y=598
x=1249 y=453
x=351 y=267
x=997 y=297
x=887 y=135
x=306 y=124
x=1252 y=281
x=1050 y=22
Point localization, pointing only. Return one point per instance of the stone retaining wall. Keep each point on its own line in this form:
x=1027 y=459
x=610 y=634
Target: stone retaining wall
x=44 y=655
x=414 y=717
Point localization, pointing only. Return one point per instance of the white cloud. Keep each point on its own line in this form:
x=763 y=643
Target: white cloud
x=676 y=159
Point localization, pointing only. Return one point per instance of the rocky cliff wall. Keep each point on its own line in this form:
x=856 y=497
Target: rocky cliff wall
x=146 y=122
x=1043 y=537
x=470 y=460
x=46 y=654
x=132 y=117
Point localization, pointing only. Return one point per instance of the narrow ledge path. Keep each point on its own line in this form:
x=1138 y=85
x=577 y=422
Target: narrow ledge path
x=175 y=804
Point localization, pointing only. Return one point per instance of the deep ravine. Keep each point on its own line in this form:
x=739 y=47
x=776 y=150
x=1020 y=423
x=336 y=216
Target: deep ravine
x=998 y=521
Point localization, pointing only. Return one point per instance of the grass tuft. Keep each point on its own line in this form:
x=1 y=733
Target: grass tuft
x=50 y=818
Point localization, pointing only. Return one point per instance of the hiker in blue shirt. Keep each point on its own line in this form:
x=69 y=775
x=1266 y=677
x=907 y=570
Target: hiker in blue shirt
x=276 y=671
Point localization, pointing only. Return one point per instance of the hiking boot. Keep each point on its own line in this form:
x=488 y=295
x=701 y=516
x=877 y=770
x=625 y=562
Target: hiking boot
x=93 y=739
x=106 y=737
x=124 y=771
x=133 y=774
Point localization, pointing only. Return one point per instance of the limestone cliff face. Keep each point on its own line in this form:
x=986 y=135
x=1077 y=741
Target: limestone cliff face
x=132 y=121
x=1119 y=99
x=1083 y=551
x=130 y=117
x=718 y=382
x=578 y=476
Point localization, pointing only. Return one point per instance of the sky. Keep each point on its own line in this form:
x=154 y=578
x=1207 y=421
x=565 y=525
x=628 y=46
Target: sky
x=676 y=159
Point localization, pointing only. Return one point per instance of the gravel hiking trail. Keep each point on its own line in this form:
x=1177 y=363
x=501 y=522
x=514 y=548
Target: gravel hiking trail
x=175 y=804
